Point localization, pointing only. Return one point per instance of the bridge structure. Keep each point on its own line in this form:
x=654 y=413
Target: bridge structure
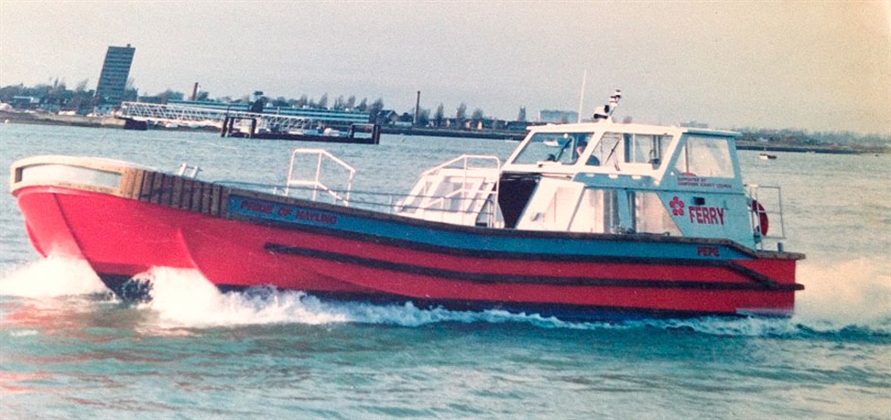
x=229 y=117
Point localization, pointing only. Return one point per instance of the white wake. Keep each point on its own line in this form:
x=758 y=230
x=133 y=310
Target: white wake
x=848 y=294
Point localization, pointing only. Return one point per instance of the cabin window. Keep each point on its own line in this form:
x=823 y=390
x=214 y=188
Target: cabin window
x=560 y=210
x=552 y=206
x=706 y=157
x=600 y=212
x=651 y=216
x=645 y=148
x=620 y=211
x=607 y=151
x=553 y=147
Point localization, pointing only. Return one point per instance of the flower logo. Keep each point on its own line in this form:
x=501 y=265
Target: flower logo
x=677 y=206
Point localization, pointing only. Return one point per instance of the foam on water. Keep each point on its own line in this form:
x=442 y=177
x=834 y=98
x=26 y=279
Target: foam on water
x=852 y=292
x=848 y=297
x=184 y=298
x=50 y=277
x=861 y=303
x=839 y=298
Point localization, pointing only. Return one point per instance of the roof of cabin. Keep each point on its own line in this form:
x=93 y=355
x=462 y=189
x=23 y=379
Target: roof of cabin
x=629 y=128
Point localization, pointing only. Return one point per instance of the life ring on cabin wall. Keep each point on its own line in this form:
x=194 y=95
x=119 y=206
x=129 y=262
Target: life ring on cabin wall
x=763 y=222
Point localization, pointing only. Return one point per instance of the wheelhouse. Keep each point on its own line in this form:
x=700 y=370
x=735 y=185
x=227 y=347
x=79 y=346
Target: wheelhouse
x=628 y=179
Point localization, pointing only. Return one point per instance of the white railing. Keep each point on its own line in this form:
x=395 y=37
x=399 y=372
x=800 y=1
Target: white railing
x=462 y=191
x=315 y=183
x=186 y=170
x=199 y=116
x=173 y=114
x=456 y=191
x=766 y=213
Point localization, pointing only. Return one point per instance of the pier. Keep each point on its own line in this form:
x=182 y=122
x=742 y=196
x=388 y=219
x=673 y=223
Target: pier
x=238 y=120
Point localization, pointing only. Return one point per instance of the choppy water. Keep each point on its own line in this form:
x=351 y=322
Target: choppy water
x=69 y=350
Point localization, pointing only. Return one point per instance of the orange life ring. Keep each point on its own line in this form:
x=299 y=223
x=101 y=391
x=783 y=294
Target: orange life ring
x=763 y=222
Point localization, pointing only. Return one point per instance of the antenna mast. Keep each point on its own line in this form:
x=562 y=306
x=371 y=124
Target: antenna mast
x=582 y=95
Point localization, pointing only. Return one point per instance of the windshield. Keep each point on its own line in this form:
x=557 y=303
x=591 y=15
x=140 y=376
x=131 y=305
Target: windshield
x=706 y=157
x=553 y=147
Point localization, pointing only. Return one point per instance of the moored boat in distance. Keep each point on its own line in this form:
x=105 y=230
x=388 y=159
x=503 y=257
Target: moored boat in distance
x=356 y=134
x=581 y=221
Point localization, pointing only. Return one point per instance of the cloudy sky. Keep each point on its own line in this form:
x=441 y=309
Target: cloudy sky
x=819 y=66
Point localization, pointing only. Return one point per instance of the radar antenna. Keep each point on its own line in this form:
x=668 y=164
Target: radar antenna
x=605 y=112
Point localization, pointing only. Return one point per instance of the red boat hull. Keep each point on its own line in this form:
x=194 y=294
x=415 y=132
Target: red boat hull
x=285 y=257
x=115 y=235
x=123 y=237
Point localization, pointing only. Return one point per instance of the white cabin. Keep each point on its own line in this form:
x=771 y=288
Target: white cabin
x=604 y=178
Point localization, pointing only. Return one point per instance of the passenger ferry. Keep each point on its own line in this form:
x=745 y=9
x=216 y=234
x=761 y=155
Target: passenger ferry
x=582 y=221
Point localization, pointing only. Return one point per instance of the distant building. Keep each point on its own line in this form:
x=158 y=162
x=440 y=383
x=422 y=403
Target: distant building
x=552 y=116
x=25 y=102
x=113 y=80
x=693 y=124
x=386 y=117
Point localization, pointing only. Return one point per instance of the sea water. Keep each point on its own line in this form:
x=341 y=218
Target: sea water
x=68 y=349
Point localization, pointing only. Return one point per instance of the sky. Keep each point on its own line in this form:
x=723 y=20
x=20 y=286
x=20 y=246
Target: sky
x=810 y=65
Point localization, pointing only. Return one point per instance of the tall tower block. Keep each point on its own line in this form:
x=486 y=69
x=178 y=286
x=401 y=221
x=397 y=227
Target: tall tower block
x=113 y=80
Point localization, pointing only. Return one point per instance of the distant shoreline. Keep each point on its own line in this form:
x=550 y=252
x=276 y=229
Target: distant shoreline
x=115 y=123
x=456 y=133
x=53 y=119
x=803 y=148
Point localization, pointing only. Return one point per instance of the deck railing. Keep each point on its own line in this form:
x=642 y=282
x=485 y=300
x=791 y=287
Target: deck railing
x=307 y=159
x=459 y=191
x=463 y=190
x=766 y=213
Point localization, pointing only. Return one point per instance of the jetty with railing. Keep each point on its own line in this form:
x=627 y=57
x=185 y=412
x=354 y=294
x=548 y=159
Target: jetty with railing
x=244 y=121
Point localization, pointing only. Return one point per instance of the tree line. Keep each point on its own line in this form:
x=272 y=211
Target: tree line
x=56 y=96
x=802 y=137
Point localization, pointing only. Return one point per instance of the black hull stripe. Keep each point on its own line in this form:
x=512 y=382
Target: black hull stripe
x=500 y=278
x=754 y=276
x=566 y=312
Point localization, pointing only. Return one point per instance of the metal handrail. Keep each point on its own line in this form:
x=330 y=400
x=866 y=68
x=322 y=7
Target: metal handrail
x=752 y=191
x=467 y=195
x=316 y=183
x=466 y=167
